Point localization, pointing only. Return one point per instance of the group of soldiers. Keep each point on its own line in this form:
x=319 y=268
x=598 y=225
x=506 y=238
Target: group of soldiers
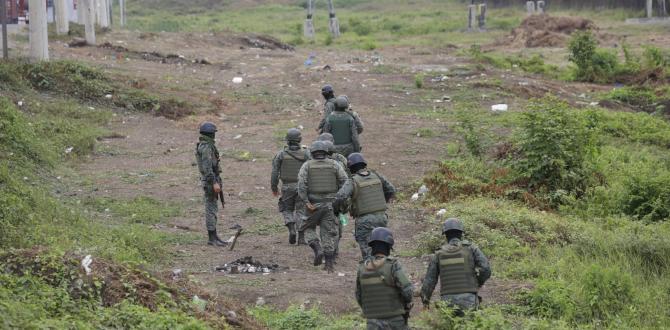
x=317 y=186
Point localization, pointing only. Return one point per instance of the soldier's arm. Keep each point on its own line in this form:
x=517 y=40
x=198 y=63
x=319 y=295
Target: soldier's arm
x=481 y=265
x=342 y=178
x=208 y=160
x=358 y=121
x=302 y=184
x=354 y=136
x=430 y=280
x=387 y=186
x=276 y=166
x=359 y=298
x=346 y=191
x=403 y=283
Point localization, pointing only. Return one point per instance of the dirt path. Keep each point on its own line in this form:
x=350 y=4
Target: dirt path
x=278 y=92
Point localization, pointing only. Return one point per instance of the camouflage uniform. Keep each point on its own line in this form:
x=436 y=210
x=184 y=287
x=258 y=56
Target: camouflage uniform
x=207 y=157
x=397 y=281
x=465 y=300
x=329 y=107
x=350 y=137
x=290 y=205
x=328 y=223
x=365 y=223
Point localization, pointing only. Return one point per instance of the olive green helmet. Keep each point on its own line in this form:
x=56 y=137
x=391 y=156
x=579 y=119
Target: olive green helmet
x=294 y=135
x=326 y=137
x=453 y=224
x=381 y=234
x=318 y=146
x=342 y=103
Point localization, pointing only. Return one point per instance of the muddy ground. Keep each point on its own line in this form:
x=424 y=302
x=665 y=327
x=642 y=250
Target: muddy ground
x=279 y=91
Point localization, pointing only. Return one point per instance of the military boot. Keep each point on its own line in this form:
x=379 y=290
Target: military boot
x=318 y=253
x=330 y=262
x=291 y=233
x=214 y=239
x=301 y=238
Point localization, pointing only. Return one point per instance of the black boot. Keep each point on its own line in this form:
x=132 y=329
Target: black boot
x=301 y=238
x=318 y=253
x=214 y=239
x=330 y=262
x=291 y=233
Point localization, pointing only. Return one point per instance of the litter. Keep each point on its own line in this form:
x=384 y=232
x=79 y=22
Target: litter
x=86 y=264
x=237 y=80
x=499 y=107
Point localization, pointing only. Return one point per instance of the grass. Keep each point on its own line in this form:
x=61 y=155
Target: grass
x=141 y=209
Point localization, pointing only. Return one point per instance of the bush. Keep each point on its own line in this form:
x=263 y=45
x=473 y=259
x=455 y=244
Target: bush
x=606 y=291
x=418 y=80
x=360 y=27
x=647 y=195
x=551 y=299
x=593 y=64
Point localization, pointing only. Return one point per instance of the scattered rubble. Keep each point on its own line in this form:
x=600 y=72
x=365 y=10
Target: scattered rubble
x=154 y=56
x=265 y=42
x=247 y=265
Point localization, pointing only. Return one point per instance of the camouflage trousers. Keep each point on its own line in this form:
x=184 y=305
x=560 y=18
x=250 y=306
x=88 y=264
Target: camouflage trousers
x=364 y=226
x=211 y=206
x=328 y=230
x=345 y=149
x=290 y=205
x=394 y=323
x=462 y=301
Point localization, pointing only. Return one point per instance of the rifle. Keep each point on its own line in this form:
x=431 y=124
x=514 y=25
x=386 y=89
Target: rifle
x=221 y=197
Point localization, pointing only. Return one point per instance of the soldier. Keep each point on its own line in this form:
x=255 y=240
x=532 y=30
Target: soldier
x=328 y=138
x=461 y=267
x=207 y=157
x=329 y=94
x=382 y=289
x=319 y=181
x=285 y=167
x=343 y=128
x=370 y=192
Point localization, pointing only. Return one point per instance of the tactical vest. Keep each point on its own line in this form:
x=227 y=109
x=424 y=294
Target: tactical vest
x=457 y=270
x=380 y=297
x=340 y=127
x=290 y=165
x=368 y=195
x=322 y=176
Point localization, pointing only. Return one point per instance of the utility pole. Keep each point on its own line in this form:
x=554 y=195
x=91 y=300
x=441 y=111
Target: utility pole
x=88 y=15
x=122 y=10
x=39 y=39
x=62 y=17
x=3 y=16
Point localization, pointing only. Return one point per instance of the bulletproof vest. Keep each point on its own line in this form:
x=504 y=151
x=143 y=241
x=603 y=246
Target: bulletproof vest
x=290 y=165
x=380 y=297
x=368 y=195
x=322 y=176
x=457 y=270
x=340 y=127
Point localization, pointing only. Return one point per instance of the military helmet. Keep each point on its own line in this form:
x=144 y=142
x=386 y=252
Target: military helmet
x=318 y=146
x=327 y=89
x=341 y=103
x=452 y=224
x=355 y=158
x=293 y=135
x=381 y=234
x=207 y=128
x=326 y=137
x=330 y=146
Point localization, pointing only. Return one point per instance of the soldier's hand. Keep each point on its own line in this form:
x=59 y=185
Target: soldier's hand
x=275 y=193
x=217 y=188
x=311 y=207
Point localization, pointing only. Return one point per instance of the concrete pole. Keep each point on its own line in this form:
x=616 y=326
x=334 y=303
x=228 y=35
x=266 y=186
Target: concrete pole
x=308 y=28
x=650 y=10
x=110 y=12
x=3 y=17
x=80 y=12
x=86 y=7
x=122 y=12
x=472 y=9
x=39 y=39
x=62 y=17
x=530 y=7
x=333 y=22
x=482 y=17
x=540 y=7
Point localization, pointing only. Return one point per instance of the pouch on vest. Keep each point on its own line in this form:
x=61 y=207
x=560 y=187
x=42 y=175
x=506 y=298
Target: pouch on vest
x=457 y=270
x=340 y=128
x=368 y=195
x=380 y=297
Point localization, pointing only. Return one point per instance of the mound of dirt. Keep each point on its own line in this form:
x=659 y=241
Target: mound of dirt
x=547 y=31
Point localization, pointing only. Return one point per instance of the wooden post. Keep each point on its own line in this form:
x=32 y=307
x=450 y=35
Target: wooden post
x=3 y=17
x=62 y=17
x=86 y=6
x=650 y=9
x=39 y=39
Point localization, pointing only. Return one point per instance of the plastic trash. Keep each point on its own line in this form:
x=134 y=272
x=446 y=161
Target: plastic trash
x=344 y=220
x=237 y=80
x=86 y=263
x=499 y=107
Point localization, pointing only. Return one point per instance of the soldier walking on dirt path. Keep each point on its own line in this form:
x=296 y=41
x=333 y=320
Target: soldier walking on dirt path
x=370 y=192
x=461 y=268
x=207 y=157
x=383 y=290
x=328 y=107
x=327 y=138
x=285 y=167
x=319 y=181
x=342 y=126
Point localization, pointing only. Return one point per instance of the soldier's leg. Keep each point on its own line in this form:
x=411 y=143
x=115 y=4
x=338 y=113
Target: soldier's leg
x=395 y=323
x=300 y=216
x=287 y=205
x=211 y=208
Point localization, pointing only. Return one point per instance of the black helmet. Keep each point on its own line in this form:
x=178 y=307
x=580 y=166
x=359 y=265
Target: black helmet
x=341 y=103
x=294 y=135
x=355 y=158
x=326 y=137
x=327 y=89
x=381 y=234
x=207 y=128
x=318 y=146
x=452 y=224
x=329 y=145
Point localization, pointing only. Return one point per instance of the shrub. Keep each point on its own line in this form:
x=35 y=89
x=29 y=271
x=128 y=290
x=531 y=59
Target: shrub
x=360 y=27
x=418 y=80
x=551 y=299
x=606 y=291
x=647 y=195
x=593 y=64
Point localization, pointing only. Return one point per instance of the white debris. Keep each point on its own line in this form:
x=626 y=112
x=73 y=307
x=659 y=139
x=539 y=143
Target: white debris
x=237 y=80
x=300 y=127
x=423 y=189
x=594 y=104
x=176 y=272
x=415 y=197
x=108 y=96
x=251 y=269
x=86 y=264
x=265 y=270
x=69 y=150
x=441 y=212
x=499 y=107
x=20 y=103
x=237 y=137
x=200 y=304
x=340 y=274
x=260 y=301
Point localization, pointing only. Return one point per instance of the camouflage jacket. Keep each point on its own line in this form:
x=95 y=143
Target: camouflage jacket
x=207 y=157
